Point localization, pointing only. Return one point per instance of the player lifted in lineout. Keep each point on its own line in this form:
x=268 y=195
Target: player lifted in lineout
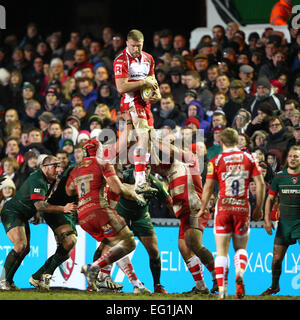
x=135 y=80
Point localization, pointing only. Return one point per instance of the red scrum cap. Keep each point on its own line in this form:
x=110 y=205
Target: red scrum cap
x=91 y=146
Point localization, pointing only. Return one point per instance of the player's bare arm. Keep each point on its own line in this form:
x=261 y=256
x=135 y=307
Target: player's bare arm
x=124 y=85
x=49 y=208
x=268 y=208
x=206 y=195
x=260 y=197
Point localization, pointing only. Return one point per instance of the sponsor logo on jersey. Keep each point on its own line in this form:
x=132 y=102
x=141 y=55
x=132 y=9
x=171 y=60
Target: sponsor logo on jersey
x=37 y=190
x=118 y=69
x=233 y=201
x=210 y=168
x=234 y=158
x=290 y=191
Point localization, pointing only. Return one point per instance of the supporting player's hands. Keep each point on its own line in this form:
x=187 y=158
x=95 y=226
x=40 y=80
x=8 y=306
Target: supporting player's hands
x=70 y=207
x=202 y=212
x=257 y=214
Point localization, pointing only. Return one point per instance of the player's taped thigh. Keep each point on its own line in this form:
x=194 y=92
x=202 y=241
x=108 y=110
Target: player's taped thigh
x=126 y=240
x=61 y=238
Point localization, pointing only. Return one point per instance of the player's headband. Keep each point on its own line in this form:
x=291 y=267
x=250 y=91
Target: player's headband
x=51 y=164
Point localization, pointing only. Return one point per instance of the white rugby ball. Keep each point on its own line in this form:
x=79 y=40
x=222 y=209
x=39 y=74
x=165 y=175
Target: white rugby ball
x=146 y=93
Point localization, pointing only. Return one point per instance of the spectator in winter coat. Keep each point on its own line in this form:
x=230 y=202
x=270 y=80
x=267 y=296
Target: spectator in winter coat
x=168 y=110
x=194 y=108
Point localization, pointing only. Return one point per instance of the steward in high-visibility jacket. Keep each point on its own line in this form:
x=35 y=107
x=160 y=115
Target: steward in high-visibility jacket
x=281 y=12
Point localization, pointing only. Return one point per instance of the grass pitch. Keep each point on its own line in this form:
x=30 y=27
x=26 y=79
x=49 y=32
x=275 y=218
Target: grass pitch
x=59 y=294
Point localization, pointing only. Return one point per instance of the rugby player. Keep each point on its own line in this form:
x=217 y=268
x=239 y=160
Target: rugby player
x=26 y=204
x=182 y=172
x=285 y=185
x=63 y=225
x=139 y=221
x=232 y=169
x=134 y=71
x=95 y=216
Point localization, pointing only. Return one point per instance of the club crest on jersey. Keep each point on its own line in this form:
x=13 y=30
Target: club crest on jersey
x=210 y=168
x=294 y=180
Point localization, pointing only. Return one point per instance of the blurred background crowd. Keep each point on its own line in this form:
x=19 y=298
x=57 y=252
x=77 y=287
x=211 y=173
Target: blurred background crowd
x=56 y=93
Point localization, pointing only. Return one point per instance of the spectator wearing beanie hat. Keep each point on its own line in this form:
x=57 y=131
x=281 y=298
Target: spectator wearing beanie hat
x=194 y=108
x=170 y=124
x=193 y=122
x=83 y=136
x=168 y=129
x=54 y=105
x=237 y=100
x=261 y=121
x=7 y=191
x=264 y=94
x=94 y=122
x=44 y=120
x=73 y=121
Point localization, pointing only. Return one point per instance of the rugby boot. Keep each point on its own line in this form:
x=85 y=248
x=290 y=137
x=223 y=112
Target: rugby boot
x=14 y=287
x=141 y=290
x=45 y=282
x=34 y=282
x=108 y=283
x=4 y=285
x=90 y=275
x=270 y=291
x=222 y=296
x=158 y=288
x=195 y=290
x=215 y=288
x=240 y=288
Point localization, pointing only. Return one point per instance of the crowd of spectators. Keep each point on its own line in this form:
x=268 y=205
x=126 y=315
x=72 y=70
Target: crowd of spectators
x=56 y=94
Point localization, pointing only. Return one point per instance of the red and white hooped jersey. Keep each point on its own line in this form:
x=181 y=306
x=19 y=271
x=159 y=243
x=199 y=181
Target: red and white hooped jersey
x=88 y=179
x=126 y=66
x=185 y=185
x=233 y=170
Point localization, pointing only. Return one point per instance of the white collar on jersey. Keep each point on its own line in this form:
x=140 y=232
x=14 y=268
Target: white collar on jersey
x=137 y=59
x=232 y=150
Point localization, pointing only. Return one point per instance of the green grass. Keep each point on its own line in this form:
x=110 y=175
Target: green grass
x=84 y=295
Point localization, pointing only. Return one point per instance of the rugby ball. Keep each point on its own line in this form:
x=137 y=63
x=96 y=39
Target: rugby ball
x=146 y=93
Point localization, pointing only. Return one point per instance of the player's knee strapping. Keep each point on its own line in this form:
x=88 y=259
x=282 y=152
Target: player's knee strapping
x=67 y=241
x=127 y=242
